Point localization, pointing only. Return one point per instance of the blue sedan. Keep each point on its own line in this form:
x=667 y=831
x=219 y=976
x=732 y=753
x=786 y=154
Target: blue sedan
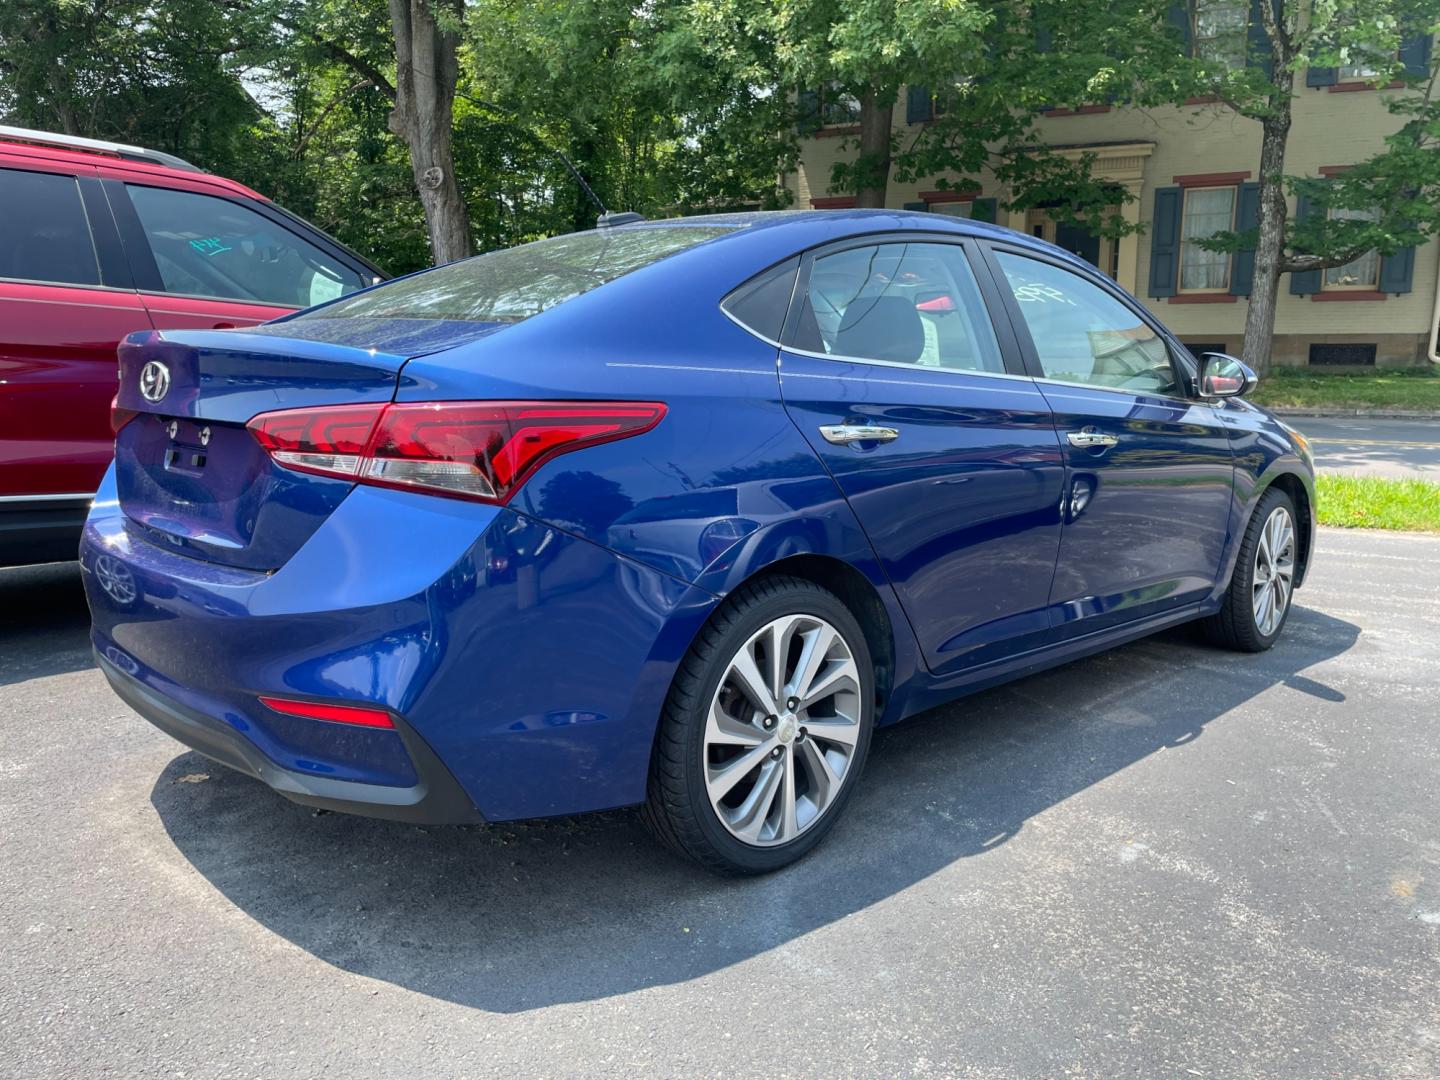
x=670 y=514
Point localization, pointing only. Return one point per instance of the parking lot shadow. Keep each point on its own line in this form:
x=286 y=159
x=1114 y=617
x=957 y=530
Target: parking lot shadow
x=515 y=917
x=44 y=624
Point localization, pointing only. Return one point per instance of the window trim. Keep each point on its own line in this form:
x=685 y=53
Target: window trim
x=991 y=248
x=1011 y=354
x=1185 y=190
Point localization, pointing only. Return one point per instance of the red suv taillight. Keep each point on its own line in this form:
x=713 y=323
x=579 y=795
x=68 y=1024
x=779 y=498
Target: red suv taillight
x=482 y=450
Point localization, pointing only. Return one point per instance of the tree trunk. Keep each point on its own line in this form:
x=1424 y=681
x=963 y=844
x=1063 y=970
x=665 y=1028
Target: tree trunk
x=873 y=166
x=1270 y=246
x=426 y=71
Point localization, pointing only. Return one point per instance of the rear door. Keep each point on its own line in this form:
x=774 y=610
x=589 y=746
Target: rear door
x=1149 y=470
x=210 y=262
x=918 y=405
x=65 y=302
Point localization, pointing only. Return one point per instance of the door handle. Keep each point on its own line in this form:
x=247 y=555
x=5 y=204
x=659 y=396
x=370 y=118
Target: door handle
x=842 y=434
x=1091 y=440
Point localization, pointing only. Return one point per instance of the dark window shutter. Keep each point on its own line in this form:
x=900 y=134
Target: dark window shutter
x=1415 y=55
x=1397 y=272
x=1179 y=16
x=917 y=206
x=807 y=112
x=1260 y=54
x=1165 y=242
x=1247 y=216
x=1317 y=76
x=1308 y=282
x=983 y=210
x=917 y=105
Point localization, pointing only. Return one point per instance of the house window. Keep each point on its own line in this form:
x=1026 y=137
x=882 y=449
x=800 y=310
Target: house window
x=1219 y=31
x=1207 y=211
x=1362 y=273
x=838 y=108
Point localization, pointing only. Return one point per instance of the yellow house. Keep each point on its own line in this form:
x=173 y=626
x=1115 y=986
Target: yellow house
x=1192 y=170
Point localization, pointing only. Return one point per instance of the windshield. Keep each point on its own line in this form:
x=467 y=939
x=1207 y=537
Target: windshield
x=511 y=285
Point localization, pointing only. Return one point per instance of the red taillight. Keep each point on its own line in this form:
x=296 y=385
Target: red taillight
x=120 y=417
x=481 y=450
x=328 y=441
x=338 y=714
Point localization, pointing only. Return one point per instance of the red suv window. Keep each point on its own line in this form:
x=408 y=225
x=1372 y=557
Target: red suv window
x=44 y=234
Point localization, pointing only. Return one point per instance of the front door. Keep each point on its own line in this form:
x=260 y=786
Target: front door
x=1149 y=471
x=896 y=376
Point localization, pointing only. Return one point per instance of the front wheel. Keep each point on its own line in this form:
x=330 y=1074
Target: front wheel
x=765 y=730
x=1257 y=604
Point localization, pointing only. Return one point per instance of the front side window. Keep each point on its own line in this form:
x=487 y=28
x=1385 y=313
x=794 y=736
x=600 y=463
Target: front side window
x=1207 y=212
x=902 y=303
x=514 y=284
x=44 y=234
x=1220 y=31
x=1082 y=334
x=206 y=246
x=1362 y=273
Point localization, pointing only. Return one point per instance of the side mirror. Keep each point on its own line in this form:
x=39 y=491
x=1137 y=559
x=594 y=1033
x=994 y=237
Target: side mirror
x=1223 y=376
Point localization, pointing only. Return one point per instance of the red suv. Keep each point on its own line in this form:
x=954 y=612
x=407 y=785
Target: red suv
x=98 y=240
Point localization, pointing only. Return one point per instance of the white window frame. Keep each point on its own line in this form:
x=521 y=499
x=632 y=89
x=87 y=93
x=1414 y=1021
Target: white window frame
x=1198 y=43
x=1180 y=247
x=1370 y=286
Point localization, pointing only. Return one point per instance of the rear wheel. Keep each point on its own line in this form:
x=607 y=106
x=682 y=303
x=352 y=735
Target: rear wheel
x=765 y=730
x=1257 y=604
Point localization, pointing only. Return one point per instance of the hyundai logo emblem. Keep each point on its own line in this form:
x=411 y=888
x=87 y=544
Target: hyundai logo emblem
x=154 y=381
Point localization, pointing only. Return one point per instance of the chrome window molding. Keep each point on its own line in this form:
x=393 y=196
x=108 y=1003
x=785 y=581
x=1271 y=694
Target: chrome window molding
x=70 y=497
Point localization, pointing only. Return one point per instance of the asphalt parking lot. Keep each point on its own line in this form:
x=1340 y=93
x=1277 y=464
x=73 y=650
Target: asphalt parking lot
x=1166 y=861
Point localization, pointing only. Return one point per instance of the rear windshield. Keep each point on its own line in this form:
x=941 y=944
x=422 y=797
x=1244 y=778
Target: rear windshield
x=510 y=285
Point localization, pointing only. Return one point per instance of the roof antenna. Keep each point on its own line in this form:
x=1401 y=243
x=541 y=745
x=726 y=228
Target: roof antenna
x=608 y=218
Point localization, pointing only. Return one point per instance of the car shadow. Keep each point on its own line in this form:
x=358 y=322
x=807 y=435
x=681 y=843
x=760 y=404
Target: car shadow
x=515 y=917
x=44 y=623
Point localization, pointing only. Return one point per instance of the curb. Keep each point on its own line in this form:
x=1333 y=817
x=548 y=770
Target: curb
x=1364 y=414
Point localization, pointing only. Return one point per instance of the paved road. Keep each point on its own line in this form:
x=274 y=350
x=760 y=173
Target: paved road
x=1162 y=862
x=1355 y=445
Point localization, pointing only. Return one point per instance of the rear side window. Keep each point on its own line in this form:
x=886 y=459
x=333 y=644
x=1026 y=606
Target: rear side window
x=44 y=234
x=762 y=302
x=204 y=246
x=902 y=303
x=514 y=284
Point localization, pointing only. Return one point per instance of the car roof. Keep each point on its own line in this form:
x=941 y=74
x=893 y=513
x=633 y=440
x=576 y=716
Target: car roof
x=813 y=227
x=15 y=142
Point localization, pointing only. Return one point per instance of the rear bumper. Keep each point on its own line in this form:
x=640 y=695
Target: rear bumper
x=437 y=798
x=531 y=663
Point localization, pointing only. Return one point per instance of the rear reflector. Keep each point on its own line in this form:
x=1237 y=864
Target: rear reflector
x=481 y=450
x=339 y=714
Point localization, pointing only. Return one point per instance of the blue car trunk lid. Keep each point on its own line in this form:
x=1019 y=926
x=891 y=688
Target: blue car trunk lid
x=188 y=472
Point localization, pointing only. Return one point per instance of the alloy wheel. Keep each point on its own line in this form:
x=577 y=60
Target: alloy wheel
x=782 y=730
x=1273 y=580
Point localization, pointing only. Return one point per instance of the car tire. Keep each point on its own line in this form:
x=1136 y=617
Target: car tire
x=781 y=796
x=1265 y=565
